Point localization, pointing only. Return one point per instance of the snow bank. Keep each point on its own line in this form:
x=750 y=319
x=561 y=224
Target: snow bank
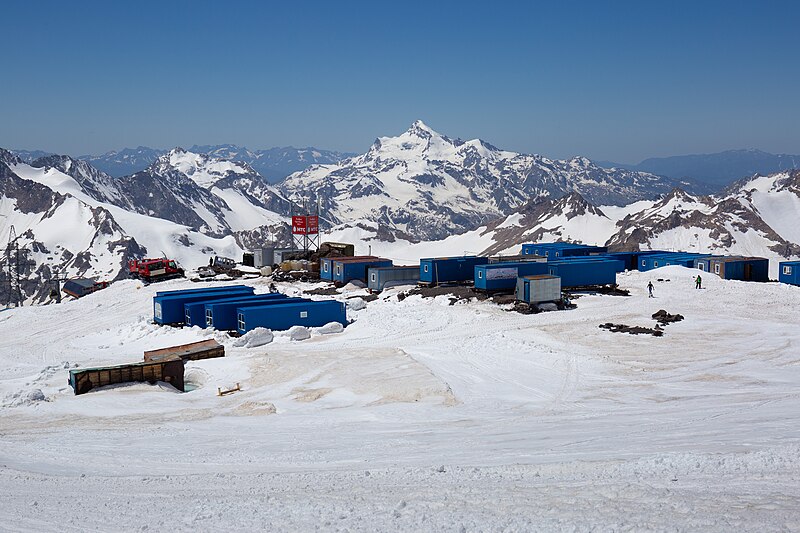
x=330 y=327
x=254 y=338
x=298 y=333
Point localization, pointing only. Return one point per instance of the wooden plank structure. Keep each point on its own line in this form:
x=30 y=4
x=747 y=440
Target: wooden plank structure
x=207 y=349
x=82 y=380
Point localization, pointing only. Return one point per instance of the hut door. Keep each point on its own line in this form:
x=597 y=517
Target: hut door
x=527 y=291
x=748 y=271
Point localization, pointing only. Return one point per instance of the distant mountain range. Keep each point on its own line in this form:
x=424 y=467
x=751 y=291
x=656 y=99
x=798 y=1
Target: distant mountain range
x=715 y=171
x=273 y=164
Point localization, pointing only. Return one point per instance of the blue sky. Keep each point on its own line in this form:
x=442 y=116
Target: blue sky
x=610 y=80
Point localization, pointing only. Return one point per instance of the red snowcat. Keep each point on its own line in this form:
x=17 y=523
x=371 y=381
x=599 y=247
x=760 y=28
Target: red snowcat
x=151 y=270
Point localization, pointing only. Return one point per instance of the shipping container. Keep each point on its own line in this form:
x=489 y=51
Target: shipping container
x=195 y=312
x=652 y=261
x=587 y=273
x=380 y=277
x=82 y=380
x=516 y=259
x=204 y=289
x=222 y=315
x=789 y=272
x=169 y=308
x=326 y=264
x=553 y=250
x=539 y=288
x=194 y=351
x=284 y=316
x=263 y=257
x=738 y=268
x=346 y=270
x=433 y=271
x=631 y=259
x=503 y=276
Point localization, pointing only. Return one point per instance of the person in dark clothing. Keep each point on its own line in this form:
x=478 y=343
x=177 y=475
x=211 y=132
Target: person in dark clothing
x=698 y=283
x=650 y=289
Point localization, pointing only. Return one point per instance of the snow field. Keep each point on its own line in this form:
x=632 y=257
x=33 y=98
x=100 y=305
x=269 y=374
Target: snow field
x=419 y=415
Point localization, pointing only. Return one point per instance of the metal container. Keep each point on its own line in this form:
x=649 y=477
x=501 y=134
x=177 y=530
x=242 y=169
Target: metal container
x=789 y=272
x=503 y=276
x=589 y=273
x=741 y=268
x=326 y=264
x=282 y=317
x=263 y=257
x=652 y=261
x=561 y=249
x=169 y=309
x=222 y=315
x=460 y=269
x=379 y=277
x=346 y=271
x=516 y=258
x=194 y=351
x=222 y=288
x=538 y=288
x=82 y=380
x=195 y=312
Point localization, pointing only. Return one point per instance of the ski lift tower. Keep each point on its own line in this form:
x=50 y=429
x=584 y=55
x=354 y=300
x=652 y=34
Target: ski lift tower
x=305 y=227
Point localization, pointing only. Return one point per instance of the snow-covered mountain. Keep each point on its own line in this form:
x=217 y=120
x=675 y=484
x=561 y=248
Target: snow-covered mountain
x=422 y=185
x=273 y=164
x=76 y=219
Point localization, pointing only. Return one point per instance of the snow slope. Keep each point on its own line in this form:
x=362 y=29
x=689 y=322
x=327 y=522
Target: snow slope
x=421 y=415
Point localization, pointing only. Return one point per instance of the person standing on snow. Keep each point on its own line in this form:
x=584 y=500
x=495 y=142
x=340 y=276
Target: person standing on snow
x=650 y=289
x=698 y=283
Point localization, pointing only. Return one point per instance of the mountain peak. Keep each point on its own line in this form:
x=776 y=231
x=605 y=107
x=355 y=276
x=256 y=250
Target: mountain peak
x=420 y=129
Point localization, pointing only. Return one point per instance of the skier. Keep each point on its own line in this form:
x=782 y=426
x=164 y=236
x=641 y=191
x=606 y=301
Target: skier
x=698 y=283
x=650 y=289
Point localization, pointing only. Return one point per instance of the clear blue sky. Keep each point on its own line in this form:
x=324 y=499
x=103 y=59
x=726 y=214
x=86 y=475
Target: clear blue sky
x=609 y=80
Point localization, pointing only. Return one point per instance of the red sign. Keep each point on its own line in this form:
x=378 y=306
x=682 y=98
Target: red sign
x=305 y=225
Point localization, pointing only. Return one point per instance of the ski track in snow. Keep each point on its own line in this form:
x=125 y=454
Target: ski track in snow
x=420 y=416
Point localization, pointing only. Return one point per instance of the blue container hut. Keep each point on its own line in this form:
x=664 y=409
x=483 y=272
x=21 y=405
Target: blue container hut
x=169 y=308
x=503 y=276
x=284 y=316
x=326 y=264
x=222 y=315
x=346 y=271
x=204 y=289
x=738 y=268
x=433 y=271
x=553 y=250
x=631 y=259
x=789 y=272
x=652 y=261
x=379 y=277
x=586 y=273
x=196 y=311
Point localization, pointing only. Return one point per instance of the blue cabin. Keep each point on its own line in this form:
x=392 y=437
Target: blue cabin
x=652 y=261
x=735 y=267
x=284 y=316
x=326 y=264
x=553 y=250
x=379 y=277
x=631 y=259
x=789 y=272
x=193 y=291
x=349 y=270
x=587 y=273
x=169 y=308
x=503 y=276
x=196 y=311
x=222 y=315
x=449 y=269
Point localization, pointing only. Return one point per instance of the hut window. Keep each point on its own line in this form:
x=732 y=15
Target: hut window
x=787 y=270
x=556 y=254
x=338 y=270
x=716 y=268
x=425 y=268
x=480 y=274
x=373 y=277
x=303 y=314
x=325 y=267
x=240 y=321
x=655 y=264
x=701 y=266
x=644 y=263
x=209 y=318
x=546 y=253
